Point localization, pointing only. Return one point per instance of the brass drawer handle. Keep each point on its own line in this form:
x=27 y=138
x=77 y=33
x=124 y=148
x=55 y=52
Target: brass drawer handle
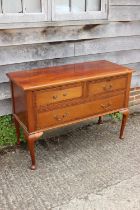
x=108 y=87
x=106 y=107
x=55 y=97
x=59 y=118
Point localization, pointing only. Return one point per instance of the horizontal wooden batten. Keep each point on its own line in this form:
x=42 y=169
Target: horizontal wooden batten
x=5 y=107
x=67 y=33
x=35 y=52
x=107 y=45
x=26 y=53
x=124 y=13
x=5 y=91
x=120 y=57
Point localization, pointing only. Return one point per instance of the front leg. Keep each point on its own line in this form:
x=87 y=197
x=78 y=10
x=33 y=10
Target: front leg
x=31 y=139
x=100 y=121
x=124 y=121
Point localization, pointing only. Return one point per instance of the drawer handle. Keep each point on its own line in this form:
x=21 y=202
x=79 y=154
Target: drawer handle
x=108 y=87
x=55 y=97
x=59 y=118
x=106 y=107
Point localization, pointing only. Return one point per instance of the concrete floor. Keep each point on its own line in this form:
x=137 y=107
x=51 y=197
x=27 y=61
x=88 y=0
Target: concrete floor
x=88 y=168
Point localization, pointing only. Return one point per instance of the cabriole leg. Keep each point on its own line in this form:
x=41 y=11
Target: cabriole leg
x=31 y=139
x=124 y=121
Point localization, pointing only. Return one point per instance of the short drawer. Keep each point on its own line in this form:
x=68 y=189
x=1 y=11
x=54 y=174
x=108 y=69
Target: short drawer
x=70 y=114
x=58 y=94
x=107 y=85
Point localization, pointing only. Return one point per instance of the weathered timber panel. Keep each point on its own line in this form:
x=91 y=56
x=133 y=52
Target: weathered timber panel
x=67 y=33
x=26 y=53
x=121 y=57
x=107 y=45
x=4 y=91
x=124 y=13
x=5 y=107
x=22 y=66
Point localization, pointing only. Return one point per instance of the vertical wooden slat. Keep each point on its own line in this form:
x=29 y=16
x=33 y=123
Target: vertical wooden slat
x=32 y=6
x=78 y=5
x=62 y=6
x=14 y=6
x=93 y=5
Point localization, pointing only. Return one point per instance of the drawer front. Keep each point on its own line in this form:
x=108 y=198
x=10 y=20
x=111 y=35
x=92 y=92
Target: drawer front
x=68 y=114
x=58 y=94
x=107 y=85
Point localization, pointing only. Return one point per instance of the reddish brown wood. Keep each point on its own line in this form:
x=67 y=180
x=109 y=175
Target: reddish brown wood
x=31 y=139
x=59 y=94
x=61 y=116
x=124 y=121
x=107 y=85
x=100 y=121
x=48 y=98
x=52 y=76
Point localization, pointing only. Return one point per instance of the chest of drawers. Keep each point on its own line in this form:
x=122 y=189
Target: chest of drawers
x=53 y=97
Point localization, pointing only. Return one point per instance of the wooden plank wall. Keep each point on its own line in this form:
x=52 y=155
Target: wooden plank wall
x=117 y=41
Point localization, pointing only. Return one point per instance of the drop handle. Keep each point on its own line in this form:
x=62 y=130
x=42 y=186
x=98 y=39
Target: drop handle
x=108 y=87
x=55 y=97
x=60 y=118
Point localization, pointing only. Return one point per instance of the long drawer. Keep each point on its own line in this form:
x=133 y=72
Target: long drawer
x=72 y=113
x=58 y=94
x=107 y=85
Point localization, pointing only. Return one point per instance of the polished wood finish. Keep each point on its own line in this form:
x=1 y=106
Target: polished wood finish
x=124 y=121
x=31 y=139
x=48 y=98
x=60 y=116
x=106 y=85
x=53 y=95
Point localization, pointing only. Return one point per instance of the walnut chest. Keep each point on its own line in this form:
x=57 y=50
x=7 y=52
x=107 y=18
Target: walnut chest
x=52 y=97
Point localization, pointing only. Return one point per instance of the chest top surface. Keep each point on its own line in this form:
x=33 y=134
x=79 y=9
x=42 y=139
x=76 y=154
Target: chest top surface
x=51 y=76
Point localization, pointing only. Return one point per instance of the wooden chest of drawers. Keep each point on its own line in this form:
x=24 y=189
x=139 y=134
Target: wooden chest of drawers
x=48 y=98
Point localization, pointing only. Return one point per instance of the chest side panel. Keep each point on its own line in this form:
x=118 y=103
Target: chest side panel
x=19 y=104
